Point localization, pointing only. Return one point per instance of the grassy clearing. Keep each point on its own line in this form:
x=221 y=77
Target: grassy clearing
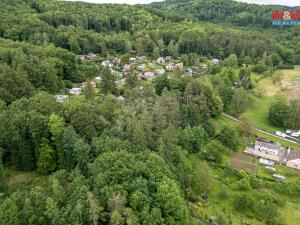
x=21 y=179
x=219 y=206
x=257 y=113
x=291 y=212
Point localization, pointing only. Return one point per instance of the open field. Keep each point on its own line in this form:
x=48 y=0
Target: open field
x=291 y=83
x=291 y=212
x=257 y=113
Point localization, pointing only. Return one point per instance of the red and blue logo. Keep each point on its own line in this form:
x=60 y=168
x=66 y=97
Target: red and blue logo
x=286 y=18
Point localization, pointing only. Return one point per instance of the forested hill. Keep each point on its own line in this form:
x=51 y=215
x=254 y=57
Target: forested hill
x=116 y=29
x=112 y=114
x=220 y=11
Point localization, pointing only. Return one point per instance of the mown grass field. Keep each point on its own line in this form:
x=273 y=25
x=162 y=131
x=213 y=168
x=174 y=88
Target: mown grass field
x=257 y=113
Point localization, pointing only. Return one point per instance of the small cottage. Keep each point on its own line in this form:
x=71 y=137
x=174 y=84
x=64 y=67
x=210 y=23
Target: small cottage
x=61 y=98
x=98 y=79
x=126 y=68
x=215 y=62
x=75 y=91
x=91 y=55
x=160 y=60
x=160 y=71
x=170 y=66
x=292 y=158
x=149 y=75
x=179 y=65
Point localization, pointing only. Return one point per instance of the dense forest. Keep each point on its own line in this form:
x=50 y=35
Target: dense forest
x=147 y=157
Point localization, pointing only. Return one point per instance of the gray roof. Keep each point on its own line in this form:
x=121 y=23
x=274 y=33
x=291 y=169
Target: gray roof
x=275 y=146
x=292 y=154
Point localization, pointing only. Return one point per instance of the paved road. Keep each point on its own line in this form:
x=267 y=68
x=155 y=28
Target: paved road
x=259 y=130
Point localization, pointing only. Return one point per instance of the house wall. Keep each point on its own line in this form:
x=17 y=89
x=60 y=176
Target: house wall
x=264 y=155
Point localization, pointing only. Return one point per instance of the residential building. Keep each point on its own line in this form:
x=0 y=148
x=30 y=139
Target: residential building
x=107 y=63
x=81 y=57
x=98 y=79
x=169 y=58
x=75 y=91
x=126 y=68
x=132 y=60
x=61 y=98
x=91 y=55
x=117 y=60
x=160 y=71
x=291 y=158
x=160 y=60
x=267 y=150
x=215 y=61
x=170 y=66
x=179 y=65
x=149 y=74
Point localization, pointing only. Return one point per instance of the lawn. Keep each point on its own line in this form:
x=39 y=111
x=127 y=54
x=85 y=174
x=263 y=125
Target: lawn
x=291 y=212
x=257 y=113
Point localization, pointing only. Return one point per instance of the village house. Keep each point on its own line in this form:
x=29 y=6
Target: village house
x=160 y=60
x=75 y=91
x=98 y=79
x=267 y=150
x=149 y=74
x=117 y=60
x=126 y=68
x=160 y=71
x=107 y=63
x=215 y=62
x=179 y=65
x=93 y=84
x=170 y=66
x=291 y=158
x=61 y=98
x=121 y=82
x=189 y=70
x=132 y=60
x=81 y=57
x=91 y=55
x=141 y=58
x=141 y=76
x=142 y=67
x=169 y=58
x=120 y=98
